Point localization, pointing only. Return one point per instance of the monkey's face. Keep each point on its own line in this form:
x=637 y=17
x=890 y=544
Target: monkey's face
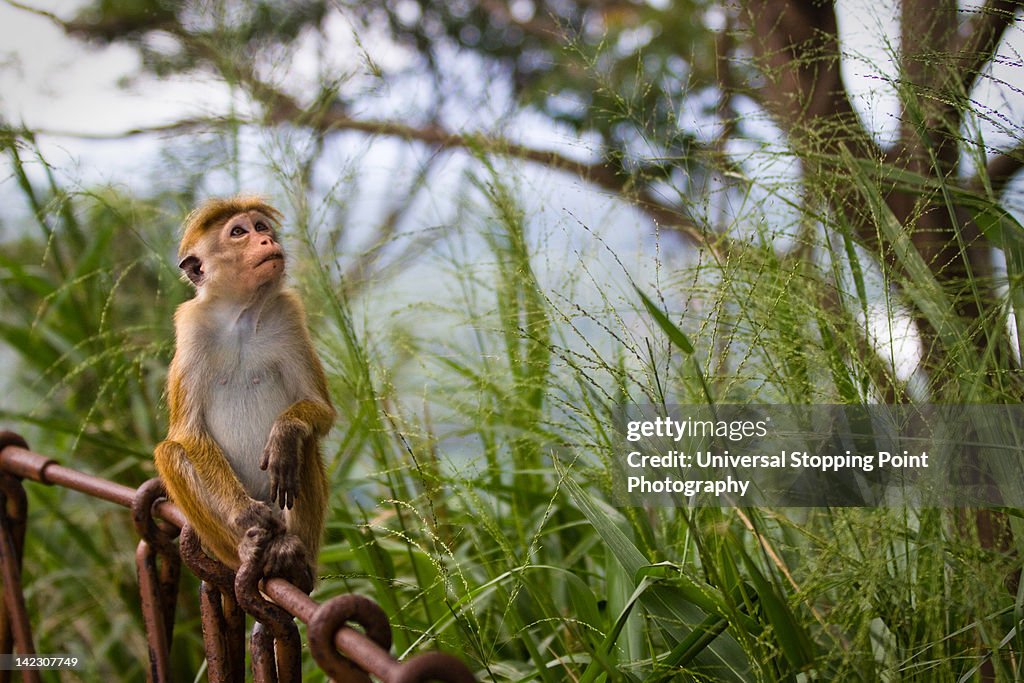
x=237 y=258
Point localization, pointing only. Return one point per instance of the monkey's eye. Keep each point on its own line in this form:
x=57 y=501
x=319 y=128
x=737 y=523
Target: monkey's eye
x=237 y=231
x=261 y=226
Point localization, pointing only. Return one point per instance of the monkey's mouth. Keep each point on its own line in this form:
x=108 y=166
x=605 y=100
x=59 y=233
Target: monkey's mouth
x=270 y=257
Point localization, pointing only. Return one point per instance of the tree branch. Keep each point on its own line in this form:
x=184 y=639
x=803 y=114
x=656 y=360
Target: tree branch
x=283 y=108
x=596 y=173
x=187 y=125
x=987 y=29
x=547 y=30
x=796 y=46
x=1002 y=167
x=38 y=12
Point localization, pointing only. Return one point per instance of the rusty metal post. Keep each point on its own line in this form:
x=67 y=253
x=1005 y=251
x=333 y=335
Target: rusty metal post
x=264 y=661
x=158 y=584
x=158 y=639
x=15 y=628
x=276 y=659
x=234 y=627
x=223 y=635
x=223 y=621
x=275 y=643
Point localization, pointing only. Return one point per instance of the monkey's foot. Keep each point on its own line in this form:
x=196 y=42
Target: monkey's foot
x=273 y=551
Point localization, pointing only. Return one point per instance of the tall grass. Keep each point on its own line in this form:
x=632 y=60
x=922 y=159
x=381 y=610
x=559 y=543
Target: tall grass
x=477 y=508
x=87 y=298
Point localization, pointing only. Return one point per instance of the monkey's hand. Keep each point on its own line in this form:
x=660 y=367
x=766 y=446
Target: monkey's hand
x=282 y=458
x=276 y=552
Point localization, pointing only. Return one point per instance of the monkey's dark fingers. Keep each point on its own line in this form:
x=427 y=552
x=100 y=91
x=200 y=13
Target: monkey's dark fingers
x=304 y=580
x=253 y=545
x=277 y=492
x=299 y=576
x=281 y=494
x=297 y=571
x=286 y=557
x=282 y=485
x=291 y=487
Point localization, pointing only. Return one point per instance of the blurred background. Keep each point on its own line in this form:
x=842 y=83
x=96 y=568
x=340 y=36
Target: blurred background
x=512 y=221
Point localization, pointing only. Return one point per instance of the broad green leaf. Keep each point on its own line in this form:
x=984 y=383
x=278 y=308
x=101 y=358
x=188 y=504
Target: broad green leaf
x=675 y=335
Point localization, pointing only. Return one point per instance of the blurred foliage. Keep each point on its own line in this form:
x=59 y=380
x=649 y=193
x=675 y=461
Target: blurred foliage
x=619 y=70
x=87 y=305
x=622 y=71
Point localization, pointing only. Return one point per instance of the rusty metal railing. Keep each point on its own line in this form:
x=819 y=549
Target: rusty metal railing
x=344 y=653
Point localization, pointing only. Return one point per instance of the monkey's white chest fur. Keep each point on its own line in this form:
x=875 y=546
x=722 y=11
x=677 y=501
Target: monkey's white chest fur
x=246 y=392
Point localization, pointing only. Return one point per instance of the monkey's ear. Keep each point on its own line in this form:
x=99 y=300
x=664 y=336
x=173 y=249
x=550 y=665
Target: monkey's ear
x=193 y=268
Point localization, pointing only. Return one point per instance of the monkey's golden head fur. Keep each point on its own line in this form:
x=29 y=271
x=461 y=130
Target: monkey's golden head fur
x=215 y=211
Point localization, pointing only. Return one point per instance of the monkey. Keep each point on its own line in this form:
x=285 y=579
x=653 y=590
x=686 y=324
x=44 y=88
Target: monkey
x=247 y=397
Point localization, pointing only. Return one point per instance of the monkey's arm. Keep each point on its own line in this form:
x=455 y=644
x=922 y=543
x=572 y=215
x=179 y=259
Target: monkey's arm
x=303 y=423
x=283 y=457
